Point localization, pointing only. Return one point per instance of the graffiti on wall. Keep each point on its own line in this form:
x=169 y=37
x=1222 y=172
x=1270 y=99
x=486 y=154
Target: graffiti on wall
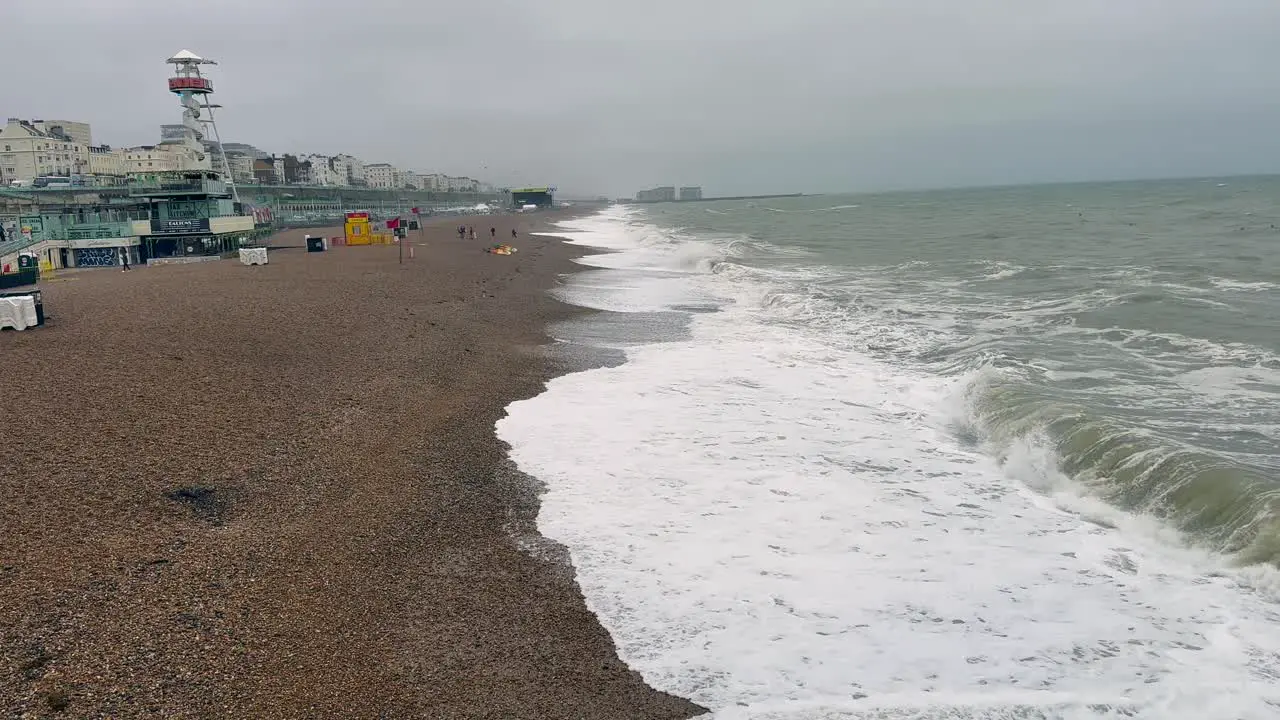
x=97 y=257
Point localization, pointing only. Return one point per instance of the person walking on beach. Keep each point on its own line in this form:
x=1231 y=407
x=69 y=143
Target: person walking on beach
x=493 y=233
x=124 y=260
x=462 y=232
x=472 y=230
x=513 y=233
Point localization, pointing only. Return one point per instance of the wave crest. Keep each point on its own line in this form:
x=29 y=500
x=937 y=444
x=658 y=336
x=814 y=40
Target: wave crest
x=1213 y=500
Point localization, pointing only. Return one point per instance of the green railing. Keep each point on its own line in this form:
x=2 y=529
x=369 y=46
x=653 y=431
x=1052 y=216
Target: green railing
x=147 y=186
x=69 y=231
x=13 y=246
x=97 y=231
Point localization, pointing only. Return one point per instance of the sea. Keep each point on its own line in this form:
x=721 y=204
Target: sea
x=988 y=453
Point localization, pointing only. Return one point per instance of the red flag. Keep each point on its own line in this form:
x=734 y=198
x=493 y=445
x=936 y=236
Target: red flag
x=415 y=211
x=393 y=223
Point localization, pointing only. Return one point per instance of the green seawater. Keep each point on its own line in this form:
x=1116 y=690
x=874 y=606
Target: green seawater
x=1129 y=330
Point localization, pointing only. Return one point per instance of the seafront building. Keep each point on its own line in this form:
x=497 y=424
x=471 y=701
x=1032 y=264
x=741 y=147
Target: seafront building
x=63 y=149
x=691 y=192
x=152 y=159
x=268 y=171
x=322 y=170
x=36 y=148
x=241 y=169
x=79 y=132
x=352 y=167
x=380 y=175
x=108 y=161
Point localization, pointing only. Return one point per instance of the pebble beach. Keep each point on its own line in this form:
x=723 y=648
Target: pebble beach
x=275 y=491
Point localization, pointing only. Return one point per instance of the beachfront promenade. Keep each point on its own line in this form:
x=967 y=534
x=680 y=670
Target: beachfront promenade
x=275 y=491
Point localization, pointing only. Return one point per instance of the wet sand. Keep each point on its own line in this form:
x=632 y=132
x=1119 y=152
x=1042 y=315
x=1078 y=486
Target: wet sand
x=276 y=492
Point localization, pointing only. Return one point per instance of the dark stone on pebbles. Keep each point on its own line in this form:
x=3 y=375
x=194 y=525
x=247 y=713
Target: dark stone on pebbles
x=206 y=503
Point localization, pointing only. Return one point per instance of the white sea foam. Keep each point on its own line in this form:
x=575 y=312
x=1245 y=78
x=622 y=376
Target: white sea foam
x=775 y=524
x=478 y=208
x=1236 y=285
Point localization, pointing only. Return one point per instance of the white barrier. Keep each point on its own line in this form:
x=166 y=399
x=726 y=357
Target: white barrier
x=18 y=313
x=253 y=256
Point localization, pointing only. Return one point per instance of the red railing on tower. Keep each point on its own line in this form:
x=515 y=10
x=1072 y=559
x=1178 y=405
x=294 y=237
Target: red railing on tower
x=190 y=83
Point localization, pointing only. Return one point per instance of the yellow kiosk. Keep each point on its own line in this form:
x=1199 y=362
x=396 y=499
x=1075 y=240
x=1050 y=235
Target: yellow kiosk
x=358 y=229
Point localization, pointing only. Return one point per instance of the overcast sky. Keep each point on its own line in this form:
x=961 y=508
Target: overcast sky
x=610 y=96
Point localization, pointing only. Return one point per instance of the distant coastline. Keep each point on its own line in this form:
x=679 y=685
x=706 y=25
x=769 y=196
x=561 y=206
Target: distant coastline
x=711 y=199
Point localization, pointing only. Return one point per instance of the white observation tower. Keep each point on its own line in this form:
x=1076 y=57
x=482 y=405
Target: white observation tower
x=193 y=91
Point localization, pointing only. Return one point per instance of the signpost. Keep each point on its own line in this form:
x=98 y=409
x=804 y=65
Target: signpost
x=397 y=229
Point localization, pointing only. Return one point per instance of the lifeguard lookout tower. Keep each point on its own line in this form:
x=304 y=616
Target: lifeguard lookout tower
x=193 y=91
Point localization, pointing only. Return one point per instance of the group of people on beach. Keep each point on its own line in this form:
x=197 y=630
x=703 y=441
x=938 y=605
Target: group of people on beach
x=465 y=231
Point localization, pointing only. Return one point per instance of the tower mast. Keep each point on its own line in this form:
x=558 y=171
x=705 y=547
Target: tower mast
x=193 y=91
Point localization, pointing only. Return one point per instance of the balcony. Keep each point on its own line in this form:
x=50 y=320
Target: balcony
x=195 y=84
x=157 y=187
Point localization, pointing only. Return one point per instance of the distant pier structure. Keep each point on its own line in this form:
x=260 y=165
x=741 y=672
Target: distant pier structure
x=693 y=193
x=666 y=193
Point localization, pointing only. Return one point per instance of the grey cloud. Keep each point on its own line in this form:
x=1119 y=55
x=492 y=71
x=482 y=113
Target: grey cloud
x=743 y=96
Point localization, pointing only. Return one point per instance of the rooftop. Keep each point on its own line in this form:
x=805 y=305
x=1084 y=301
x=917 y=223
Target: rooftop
x=185 y=56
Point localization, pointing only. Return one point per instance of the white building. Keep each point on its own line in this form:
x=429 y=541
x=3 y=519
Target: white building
x=461 y=184
x=351 y=167
x=380 y=175
x=325 y=171
x=27 y=152
x=77 y=131
x=421 y=182
x=106 y=160
x=158 y=158
x=241 y=168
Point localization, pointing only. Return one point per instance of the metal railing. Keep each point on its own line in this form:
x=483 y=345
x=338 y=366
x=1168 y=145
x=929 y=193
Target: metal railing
x=14 y=246
x=71 y=231
x=202 y=187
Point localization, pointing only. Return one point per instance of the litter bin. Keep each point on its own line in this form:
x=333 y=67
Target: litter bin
x=315 y=244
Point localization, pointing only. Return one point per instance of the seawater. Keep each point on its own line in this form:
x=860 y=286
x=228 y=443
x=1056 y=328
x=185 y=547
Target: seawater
x=997 y=453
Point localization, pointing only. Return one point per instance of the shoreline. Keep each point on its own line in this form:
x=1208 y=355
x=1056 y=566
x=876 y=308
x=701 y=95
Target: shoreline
x=277 y=491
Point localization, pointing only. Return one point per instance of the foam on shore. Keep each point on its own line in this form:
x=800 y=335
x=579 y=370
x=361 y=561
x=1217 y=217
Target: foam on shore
x=776 y=525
